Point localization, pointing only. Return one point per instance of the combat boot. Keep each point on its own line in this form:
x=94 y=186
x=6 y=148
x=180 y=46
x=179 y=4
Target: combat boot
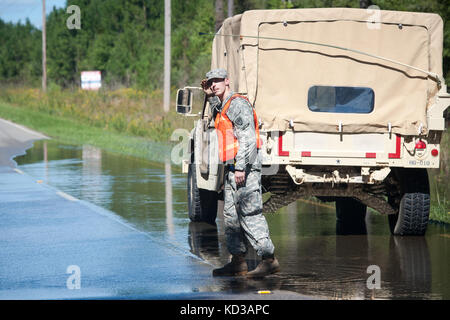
x=237 y=267
x=268 y=265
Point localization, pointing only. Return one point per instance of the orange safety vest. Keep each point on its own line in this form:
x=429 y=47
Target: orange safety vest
x=228 y=143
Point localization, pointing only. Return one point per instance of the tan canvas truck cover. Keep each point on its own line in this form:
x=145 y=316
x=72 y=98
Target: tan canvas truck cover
x=276 y=75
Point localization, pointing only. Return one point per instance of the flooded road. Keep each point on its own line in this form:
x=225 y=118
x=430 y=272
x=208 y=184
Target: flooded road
x=314 y=259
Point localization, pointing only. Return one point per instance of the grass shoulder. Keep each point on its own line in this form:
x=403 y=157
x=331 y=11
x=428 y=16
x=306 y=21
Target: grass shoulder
x=75 y=132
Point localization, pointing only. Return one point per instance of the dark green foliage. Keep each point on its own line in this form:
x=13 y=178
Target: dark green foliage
x=125 y=40
x=20 y=52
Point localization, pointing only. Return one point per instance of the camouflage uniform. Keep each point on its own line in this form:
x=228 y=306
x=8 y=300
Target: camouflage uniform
x=243 y=204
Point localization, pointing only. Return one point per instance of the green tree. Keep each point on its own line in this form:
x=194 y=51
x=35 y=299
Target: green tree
x=20 y=52
x=124 y=39
x=61 y=62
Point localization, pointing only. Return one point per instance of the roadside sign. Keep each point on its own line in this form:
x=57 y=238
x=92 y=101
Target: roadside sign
x=91 y=80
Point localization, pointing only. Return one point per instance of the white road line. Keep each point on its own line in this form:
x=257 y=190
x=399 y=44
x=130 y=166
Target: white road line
x=18 y=171
x=66 y=196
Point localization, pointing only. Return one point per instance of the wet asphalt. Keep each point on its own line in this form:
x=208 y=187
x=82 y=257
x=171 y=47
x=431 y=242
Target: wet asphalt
x=55 y=246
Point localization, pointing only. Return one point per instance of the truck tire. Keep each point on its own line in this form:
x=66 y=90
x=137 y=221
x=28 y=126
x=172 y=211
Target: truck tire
x=414 y=208
x=350 y=216
x=202 y=204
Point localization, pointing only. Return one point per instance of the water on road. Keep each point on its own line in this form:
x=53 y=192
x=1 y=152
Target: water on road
x=314 y=259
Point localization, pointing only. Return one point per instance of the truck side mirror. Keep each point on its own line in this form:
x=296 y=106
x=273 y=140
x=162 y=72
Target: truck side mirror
x=184 y=101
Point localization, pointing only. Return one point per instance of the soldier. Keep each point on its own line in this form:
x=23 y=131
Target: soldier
x=238 y=133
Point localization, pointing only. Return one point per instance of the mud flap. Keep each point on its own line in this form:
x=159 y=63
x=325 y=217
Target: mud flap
x=209 y=170
x=205 y=150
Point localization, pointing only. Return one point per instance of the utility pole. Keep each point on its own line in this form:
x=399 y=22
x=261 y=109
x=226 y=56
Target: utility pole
x=230 y=8
x=167 y=32
x=219 y=14
x=44 y=50
x=364 y=4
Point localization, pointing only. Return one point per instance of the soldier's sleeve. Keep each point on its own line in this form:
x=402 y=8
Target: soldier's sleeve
x=214 y=104
x=241 y=114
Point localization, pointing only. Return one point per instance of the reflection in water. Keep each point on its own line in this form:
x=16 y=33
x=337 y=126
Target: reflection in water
x=350 y=217
x=411 y=265
x=46 y=161
x=332 y=266
x=203 y=241
x=91 y=172
x=168 y=183
x=317 y=257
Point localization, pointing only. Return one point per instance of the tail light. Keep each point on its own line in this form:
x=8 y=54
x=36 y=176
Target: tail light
x=421 y=145
x=434 y=152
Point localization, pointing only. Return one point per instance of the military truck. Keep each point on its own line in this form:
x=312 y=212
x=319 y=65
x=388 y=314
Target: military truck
x=350 y=104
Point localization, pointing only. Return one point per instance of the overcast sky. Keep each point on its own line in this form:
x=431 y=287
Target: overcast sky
x=15 y=10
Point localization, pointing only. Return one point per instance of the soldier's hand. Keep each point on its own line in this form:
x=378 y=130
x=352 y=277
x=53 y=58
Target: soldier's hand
x=206 y=88
x=239 y=177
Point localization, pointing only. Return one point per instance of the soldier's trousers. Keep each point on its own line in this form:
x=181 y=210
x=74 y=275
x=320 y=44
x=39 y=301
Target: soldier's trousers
x=243 y=215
